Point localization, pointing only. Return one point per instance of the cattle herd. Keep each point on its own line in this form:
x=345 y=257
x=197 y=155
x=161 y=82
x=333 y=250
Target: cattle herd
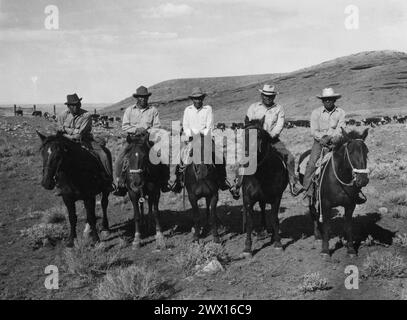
x=372 y=122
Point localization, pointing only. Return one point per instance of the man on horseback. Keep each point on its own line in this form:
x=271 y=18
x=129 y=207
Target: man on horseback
x=76 y=125
x=326 y=128
x=138 y=118
x=274 y=119
x=198 y=120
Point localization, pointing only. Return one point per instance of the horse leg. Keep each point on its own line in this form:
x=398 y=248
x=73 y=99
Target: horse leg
x=159 y=237
x=90 y=205
x=137 y=220
x=214 y=218
x=263 y=226
x=70 y=205
x=195 y=214
x=247 y=252
x=105 y=221
x=348 y=230
x=315 y=219
x=275 y=223
x=326 y=209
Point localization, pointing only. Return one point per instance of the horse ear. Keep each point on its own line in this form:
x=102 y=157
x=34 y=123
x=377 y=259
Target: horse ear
x=345 y=134
x=246 y=120
x=365 y=133
x=42 y=137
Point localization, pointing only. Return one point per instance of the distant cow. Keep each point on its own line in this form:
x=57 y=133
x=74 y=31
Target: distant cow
x=37 y=113
x=373 y=122
x=221 y=126
x=118 y=119
x=289 y=124
x=19 y=112
x=350 y=122
x=301 y=123
x=103 y=118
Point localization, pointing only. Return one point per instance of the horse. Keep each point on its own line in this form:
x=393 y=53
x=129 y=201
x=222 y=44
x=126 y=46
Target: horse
x=265 y=186
x=78 y=173
x=342 y=178
x=141 y=179
x=201 y=181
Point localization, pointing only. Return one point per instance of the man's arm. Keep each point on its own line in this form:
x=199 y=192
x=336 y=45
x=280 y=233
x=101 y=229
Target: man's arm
x=315 y=126
x=186 y=125
x=156 y=119
x=209 y=122
x=276 y=131
x=126 y=126
x=84 y=129
x=341 y=124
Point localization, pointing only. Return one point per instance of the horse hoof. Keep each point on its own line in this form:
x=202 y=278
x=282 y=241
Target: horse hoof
x=136 y=245
x=246 y=255
x=325 y=256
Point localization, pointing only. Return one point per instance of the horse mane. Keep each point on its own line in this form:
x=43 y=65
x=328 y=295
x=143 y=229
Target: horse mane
x=59 y=138
x=258 y=124
x=351 y=135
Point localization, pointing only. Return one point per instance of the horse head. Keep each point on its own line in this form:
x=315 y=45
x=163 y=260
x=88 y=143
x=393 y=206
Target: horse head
x=356 y=153
x=52 y=150
x=263 y=137
x=137 y=161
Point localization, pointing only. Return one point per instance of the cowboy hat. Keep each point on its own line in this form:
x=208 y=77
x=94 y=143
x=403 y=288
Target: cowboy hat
x=197 y=93
x=329 y=93
x=268 y=90
x=72 y=99
x=141 y=92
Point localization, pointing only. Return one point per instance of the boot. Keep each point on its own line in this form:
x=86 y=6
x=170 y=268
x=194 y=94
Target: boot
x=178 y=185
x=360 y=198
x=120 y=188
x=165 y=187
x=224 y=184
x=235 y=190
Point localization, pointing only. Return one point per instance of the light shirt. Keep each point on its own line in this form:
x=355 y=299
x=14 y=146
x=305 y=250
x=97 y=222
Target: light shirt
x=136 y=118
x=76 y=126
x=328 y=123
x=197 y=121
x=274 y=117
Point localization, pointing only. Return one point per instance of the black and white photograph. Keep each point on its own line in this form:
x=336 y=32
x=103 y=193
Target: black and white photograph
x=203 y=154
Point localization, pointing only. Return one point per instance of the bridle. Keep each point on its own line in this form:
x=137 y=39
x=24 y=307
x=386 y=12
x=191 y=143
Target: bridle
x=355 y=171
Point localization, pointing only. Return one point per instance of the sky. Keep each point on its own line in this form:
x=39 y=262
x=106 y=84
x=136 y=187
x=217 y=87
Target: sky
x=104 y=49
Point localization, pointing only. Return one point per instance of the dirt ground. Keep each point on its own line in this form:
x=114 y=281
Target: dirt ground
x=270 y=274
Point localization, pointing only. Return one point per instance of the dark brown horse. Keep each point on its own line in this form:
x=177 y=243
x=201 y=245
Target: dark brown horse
x=265 y=186
x=201 y=181
x=341 y=181
x=78 y=173
x=142 y=180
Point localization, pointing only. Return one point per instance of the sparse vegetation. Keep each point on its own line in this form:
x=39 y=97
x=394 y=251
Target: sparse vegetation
x=384 y=265
x=54 y=215
x=400 y=240
x=312 y=282
x=194 y=255
x=89 y=262
x=44 y=233
x=132 y=283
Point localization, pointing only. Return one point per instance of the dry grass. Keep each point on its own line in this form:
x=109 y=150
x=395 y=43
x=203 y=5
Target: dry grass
x=89 y=262
x=55 y=215
x=312 y=282
x=132 y=283
x=400 y=240
x=43 y=234
x=194 y=255
x=384 y=265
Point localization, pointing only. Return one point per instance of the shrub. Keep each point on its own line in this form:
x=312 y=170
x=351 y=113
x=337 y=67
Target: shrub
x=384 y=265
x=89 y=262
x=195 y=255
x=132 y=283
x=400 y=240
x=40 y=234
x=398 y=198
x=312 y=282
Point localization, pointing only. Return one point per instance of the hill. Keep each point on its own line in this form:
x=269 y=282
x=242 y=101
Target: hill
x=371 y=83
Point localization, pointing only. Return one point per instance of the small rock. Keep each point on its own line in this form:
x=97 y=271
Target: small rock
x=213 y=267
x=383 y=210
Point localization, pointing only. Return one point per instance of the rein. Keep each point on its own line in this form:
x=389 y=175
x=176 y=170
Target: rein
x=355 y=171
